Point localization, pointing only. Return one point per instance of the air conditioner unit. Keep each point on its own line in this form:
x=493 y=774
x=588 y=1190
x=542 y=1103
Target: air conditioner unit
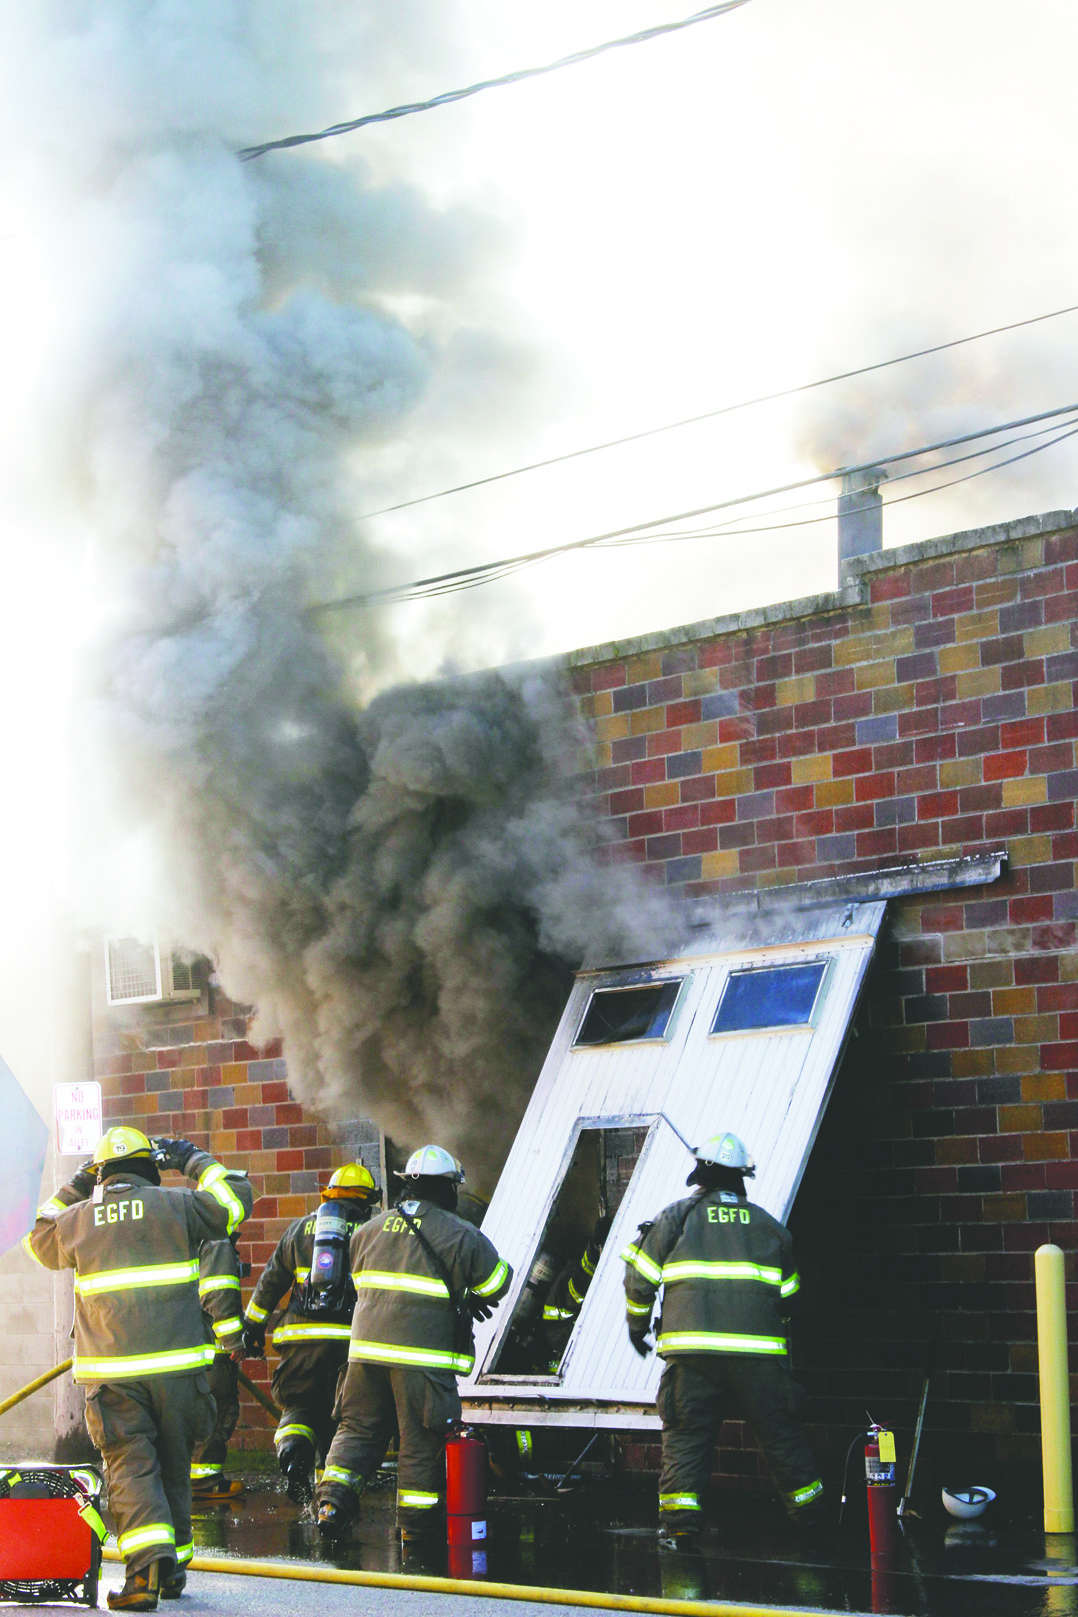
x=138 y=973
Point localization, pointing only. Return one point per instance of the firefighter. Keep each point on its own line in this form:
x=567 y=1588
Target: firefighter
x=422 y=1274
x=566 y=1296
x=312 y=1338
x=727 y=1272
x=219 y=1275
x=140 y=1343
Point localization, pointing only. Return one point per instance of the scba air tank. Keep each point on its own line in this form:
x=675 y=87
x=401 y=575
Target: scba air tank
x=329 y=1287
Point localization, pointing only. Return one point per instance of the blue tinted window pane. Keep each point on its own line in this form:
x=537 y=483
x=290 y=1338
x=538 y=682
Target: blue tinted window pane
x=777 y=996
x=624 y=1015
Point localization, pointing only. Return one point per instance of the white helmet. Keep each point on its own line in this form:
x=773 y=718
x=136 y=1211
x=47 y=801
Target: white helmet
x=726 y=1151
x=432 y=1162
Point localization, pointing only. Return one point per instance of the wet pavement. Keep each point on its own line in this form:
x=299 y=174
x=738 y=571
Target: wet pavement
x=601 y=1537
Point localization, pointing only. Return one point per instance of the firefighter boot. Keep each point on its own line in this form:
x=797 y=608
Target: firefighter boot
x=173 y=1586
x=296 y=1461
x=337 y=1509
x=140 y=1590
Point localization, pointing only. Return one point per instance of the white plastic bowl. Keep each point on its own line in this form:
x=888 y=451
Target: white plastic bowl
x=966 y=1503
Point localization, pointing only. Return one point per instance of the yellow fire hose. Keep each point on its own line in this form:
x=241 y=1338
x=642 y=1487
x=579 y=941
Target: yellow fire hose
x=32 y=1386
x=427 y=1585
x=476 y=1587
x=50 y=1375
x=257 y=1394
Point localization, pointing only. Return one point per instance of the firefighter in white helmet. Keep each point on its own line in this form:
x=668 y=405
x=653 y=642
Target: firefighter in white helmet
x=311 y=1263
x=422 y=1274
x=727 y=1273
x=140 y=1342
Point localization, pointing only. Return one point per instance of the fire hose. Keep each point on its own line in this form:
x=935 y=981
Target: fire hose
x=33 y=1386
x=478 y=1588
x=252 y=1387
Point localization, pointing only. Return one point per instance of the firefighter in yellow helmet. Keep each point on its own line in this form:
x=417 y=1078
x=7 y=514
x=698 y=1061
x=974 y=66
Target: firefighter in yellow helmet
x=421 y=1275
x=311 y=1261
x=140 y=1342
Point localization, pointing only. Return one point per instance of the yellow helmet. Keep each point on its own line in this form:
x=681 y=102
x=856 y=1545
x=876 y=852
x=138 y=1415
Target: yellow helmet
x=351 y=1183
x=119 y=1143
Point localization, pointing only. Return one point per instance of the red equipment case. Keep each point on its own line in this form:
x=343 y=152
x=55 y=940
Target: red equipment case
x=50 y=1533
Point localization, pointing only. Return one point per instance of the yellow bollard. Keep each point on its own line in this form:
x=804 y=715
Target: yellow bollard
x=1055 y=1391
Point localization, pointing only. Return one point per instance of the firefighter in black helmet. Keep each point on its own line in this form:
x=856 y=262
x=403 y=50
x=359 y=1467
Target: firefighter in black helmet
x=311 y=1260
x=727 y=1272
x=140 y=1342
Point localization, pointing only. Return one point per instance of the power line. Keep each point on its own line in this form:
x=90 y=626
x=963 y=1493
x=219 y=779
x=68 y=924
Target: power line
x=517 y=77
x=711 y=415
x=725 y=532
x=485 y=572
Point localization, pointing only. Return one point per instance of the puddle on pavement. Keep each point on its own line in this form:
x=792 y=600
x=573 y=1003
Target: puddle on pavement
x=602 y=1537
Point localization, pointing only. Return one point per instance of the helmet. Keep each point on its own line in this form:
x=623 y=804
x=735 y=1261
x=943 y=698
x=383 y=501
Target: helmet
x=432 y=1162
x=726 y=1151
x=118 y=1143
x=351 y=1183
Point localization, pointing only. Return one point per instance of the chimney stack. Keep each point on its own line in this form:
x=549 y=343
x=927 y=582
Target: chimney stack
x=860 y=516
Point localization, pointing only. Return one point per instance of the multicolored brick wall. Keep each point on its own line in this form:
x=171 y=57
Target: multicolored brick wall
x=926 y=710
x=933 y=717
x=186 y=1069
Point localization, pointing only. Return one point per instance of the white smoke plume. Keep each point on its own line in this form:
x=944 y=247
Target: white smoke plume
x=399 y=888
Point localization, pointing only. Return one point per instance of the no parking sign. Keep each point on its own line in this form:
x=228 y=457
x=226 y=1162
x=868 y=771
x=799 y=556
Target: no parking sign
x=77 y=1108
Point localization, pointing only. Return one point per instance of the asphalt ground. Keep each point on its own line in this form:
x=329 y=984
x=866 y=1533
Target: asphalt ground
x=601 y=1539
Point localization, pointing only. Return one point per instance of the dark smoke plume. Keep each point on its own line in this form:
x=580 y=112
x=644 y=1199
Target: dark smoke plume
x=236 y=353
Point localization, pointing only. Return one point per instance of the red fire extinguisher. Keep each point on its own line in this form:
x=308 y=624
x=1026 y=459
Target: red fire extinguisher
x=880 y=1468
x=466 y=1490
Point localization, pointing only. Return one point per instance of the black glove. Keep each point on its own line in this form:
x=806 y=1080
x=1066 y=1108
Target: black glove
x=85 y=1178
x=479 y=1308
x=252 y=1341
x=602 y=1229
x=174 y=1153
x=641 y=1345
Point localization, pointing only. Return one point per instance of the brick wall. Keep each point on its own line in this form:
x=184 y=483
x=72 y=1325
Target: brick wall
x=186 y=1069
x=927 y=710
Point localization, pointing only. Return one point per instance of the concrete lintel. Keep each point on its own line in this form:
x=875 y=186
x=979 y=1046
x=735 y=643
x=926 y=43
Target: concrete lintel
x=896 y=881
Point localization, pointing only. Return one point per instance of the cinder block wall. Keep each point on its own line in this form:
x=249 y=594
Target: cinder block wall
x=934 y=715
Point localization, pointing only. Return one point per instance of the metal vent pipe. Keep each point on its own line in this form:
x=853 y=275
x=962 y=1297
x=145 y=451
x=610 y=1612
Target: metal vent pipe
x=860 y=516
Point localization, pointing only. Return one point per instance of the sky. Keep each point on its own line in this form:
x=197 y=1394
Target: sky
x=766 y=198
x=784 y=192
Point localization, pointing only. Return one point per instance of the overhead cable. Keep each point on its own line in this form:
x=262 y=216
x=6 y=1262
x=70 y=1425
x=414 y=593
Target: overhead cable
x=483 y=572
x=731 y=528
x=723 y=532
x=711 y=415
x=517 y=77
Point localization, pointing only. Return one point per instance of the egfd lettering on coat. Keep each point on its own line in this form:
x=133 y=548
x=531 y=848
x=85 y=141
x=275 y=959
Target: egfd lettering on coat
x=728 y=1215
x=116 y=1212
x=395 y=1225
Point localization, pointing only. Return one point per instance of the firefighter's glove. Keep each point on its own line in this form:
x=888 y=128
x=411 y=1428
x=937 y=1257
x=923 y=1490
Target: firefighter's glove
x=175 y=1153
x=253 y=1341
x=85 y=1178
x=479 y=1308
x=601 y=1230
x=641 y=1345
